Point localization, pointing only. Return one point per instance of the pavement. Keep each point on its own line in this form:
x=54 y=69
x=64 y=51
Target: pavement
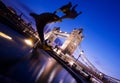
x=18 y=64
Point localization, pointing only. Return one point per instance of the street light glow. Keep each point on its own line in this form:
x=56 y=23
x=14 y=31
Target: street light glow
x=28 y=42
x=5 y=36
x=82 y=52
x=71 y=63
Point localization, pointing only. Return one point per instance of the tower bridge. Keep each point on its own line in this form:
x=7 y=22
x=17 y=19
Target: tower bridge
x=20 y=65
x=73 y=39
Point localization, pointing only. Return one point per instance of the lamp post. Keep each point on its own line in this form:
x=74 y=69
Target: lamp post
x=81 y=53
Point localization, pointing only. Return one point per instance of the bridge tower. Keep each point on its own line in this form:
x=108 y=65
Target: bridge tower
x=51 y=36
x=72 y=41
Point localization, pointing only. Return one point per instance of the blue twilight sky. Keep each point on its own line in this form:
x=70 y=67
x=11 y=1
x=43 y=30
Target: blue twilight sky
x=100 y=21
